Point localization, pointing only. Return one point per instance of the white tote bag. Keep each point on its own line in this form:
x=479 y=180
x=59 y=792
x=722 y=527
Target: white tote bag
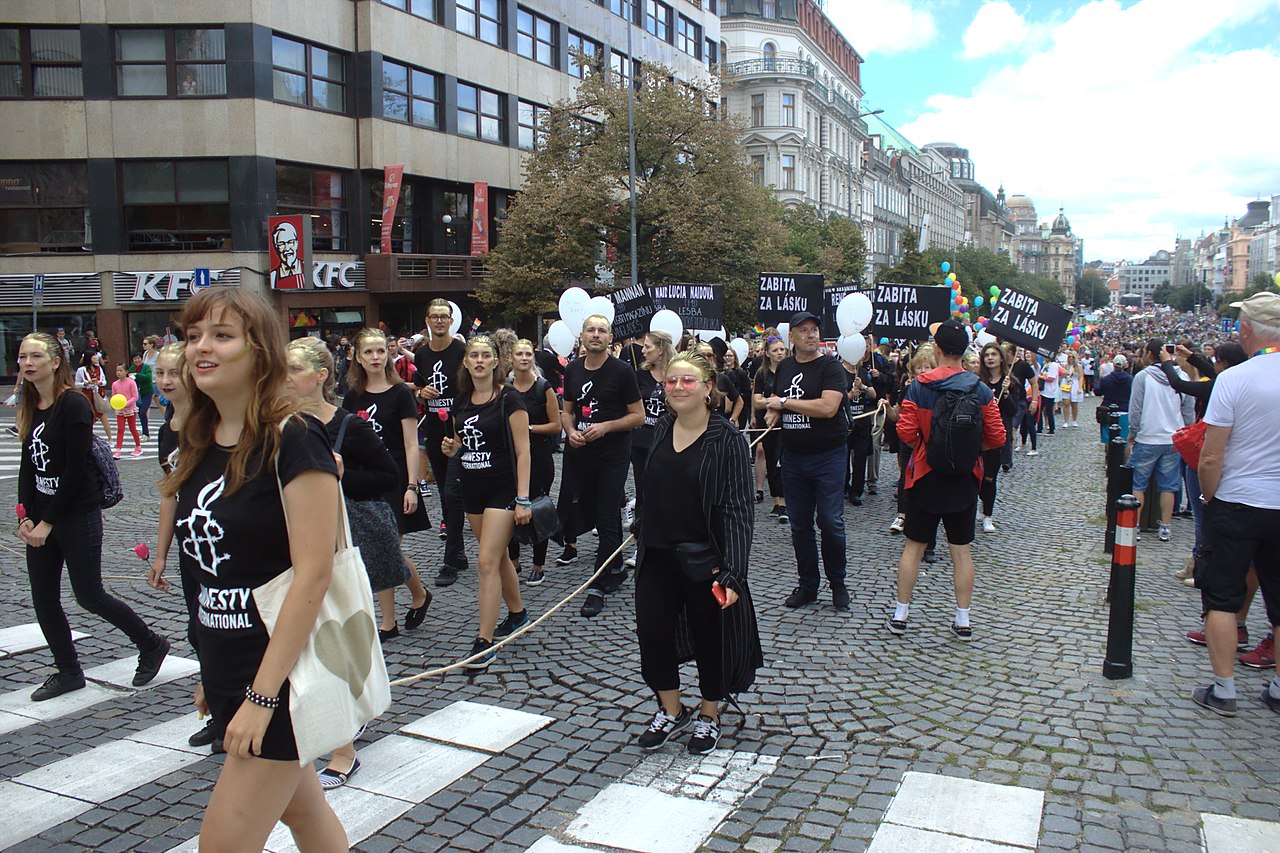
x=340 y=680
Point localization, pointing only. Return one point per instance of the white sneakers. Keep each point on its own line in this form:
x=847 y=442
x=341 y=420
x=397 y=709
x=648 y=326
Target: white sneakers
x=1033 y=452
x=988 y=526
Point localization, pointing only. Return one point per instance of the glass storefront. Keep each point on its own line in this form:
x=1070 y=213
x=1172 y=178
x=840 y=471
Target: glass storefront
x=323 y=322
x=14 y=327
x=144 y=323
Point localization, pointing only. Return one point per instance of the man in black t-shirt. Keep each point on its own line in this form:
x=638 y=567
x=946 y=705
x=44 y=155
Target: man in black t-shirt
x=809 y=407
x=436 y=376
x=601 y=407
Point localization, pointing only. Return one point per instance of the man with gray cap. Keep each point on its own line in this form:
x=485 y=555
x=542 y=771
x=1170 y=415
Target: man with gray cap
x=1240 y=485
x=809 y=406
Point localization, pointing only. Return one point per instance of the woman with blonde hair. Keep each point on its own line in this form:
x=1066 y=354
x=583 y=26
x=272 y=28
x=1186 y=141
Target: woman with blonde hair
x=658 y=350
x=257 y=495
x=544 y=426
x=378 y=395
x=1072 y=387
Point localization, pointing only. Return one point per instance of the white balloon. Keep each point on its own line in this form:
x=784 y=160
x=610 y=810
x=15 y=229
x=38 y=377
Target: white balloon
x=601 y=305
x=985 y=338
x=456 y=323
x=740 y=349
x=714 y=333
x=574 y=308
x=668 y=321
x=853 y=314
x=852 y=347
x=561 y=338
x=784 y=332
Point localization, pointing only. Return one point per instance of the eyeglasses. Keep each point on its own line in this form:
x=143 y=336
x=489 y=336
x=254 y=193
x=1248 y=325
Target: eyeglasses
x=439 y=316
x=687 y=382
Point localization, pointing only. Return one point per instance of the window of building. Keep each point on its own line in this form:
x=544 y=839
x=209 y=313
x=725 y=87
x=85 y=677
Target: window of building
x=621 y=67
x=710 y=52
x=757 y=110
x=481 y=113
x=757 y=168
x=624 y=8
x=535 y=37
x=308 y=75
x=422 y=8
x=769 y=9
x=788 y=110
x=44 y=207
x=410 y=94
x=40 y=63
x=689 y=37
x=481 y=19
x=590 y=49
x=657 y=19
x=770 y=52
x=175 y=205
x=788 y=172
x=529 y=121
x=319 y=194
x=175 y=62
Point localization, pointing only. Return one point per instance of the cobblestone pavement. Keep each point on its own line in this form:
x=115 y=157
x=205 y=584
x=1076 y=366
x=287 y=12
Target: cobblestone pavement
x=841 y=712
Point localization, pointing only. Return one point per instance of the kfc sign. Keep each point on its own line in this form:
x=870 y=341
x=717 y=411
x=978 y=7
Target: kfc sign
x=169 y=286
x=289 y=244
x=348 y=275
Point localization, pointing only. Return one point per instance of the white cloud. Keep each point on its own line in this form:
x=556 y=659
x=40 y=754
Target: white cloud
x=996 y=27
x=883 y=27
x=1138 y=120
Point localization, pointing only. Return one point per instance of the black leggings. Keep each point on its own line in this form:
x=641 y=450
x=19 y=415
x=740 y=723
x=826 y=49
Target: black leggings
x=772 y=471
x=662 y=594
x=542 y=473
x=1027 y=427
x=990 y=468
x=448 y=475
x=1046 y=414
x=77 y=540
x=855 y=478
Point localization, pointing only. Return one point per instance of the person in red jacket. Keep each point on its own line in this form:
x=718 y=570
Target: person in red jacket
x=934 y=496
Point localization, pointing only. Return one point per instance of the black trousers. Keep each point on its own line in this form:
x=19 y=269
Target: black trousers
x=599 y=479
x=448 y=473
x=772 y=470
x=542 y=474
x=855 y=479
x=662 y=594
x=76 y=540
x=987 y=489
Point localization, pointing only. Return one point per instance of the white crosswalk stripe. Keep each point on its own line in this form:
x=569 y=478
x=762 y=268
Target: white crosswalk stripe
x=11 y=454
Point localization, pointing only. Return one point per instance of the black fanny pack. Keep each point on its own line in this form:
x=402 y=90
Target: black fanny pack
x=697 y=560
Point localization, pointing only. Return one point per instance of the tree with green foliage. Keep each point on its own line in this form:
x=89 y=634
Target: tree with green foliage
x=700 y=215
x=1260 y=283
x=832 y=246
x=1091 y=290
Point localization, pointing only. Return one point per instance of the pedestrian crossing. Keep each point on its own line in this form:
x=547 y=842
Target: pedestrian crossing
x=11 y=453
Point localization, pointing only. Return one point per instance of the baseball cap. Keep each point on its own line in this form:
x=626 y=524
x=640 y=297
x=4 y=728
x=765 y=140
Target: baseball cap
x=950 y=337
x=1261 y=307
x=803 y=317
x=1120 y=361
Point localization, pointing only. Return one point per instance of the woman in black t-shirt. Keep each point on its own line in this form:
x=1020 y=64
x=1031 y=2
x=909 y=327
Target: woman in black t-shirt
x=61 y=519
x=246 y=459
x=658 y=352
x=543 y=405
x=993 y=370
x=775 y=350
x=381 y=397
x=491 y=438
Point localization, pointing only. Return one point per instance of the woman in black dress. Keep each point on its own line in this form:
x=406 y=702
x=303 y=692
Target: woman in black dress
x=245 y=459
x=544 y=426
x=775 y=350
x=62 y=524
x=382 y=398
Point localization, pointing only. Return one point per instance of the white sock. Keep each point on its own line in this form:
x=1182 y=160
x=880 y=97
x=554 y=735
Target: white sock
x=900 y=612
x=1274 y=689
x=1224 y=688
x=962 y=617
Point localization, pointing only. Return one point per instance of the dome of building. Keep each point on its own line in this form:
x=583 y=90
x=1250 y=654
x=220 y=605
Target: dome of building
x=1060 y=224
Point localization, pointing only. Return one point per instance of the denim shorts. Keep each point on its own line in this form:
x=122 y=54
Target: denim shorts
x=1161 y=459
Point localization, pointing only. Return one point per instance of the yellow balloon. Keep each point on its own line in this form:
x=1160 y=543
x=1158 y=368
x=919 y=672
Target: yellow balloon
x=119 y=401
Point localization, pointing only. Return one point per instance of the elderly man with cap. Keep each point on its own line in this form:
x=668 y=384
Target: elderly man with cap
x=950 y=497
x=1240 y=485
x=809 y=407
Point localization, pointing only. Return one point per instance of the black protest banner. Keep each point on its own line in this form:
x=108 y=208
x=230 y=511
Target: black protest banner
x=632 y=310
x=783 y=294
x=699 y=306
x=830 y=300
x=1029 y=322
x=907 y=311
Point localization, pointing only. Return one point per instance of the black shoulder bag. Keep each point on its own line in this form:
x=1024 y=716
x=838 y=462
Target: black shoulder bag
x=545 y=520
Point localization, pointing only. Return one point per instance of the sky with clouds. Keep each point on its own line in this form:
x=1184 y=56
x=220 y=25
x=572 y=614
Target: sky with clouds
x=1144 y=119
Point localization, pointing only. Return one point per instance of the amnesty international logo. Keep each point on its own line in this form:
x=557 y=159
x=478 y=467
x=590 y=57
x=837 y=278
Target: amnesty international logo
x=203 y=532
x=472 y=437
x=39 y=450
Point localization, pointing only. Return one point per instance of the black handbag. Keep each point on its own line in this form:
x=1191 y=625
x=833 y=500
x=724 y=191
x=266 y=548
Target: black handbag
x=698 y=561
x=545 y=518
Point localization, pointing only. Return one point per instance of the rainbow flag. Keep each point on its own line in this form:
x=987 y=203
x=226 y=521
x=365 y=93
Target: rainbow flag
x=475 y=324
x=758 y=328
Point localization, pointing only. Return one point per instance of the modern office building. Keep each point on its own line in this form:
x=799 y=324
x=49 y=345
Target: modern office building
x=1144 y=277
x=140 y=142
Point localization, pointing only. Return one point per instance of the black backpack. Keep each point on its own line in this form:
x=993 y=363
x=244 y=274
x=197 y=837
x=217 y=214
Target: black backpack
x=955 y=434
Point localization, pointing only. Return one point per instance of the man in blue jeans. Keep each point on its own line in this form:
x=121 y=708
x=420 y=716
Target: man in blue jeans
x=808 y=406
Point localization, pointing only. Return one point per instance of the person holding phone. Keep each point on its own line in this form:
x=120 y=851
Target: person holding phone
x=1156 y=412
x=695 y=521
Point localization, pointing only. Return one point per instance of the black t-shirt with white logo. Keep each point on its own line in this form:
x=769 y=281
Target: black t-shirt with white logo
x=52 y=472
x=484 y=436
x=807 y=381
x=655 y=404
x=595 y=396
x=440 y=371
x=385 y=411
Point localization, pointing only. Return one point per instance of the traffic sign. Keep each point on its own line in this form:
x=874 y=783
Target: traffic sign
x=37 y=289
x=200 y=279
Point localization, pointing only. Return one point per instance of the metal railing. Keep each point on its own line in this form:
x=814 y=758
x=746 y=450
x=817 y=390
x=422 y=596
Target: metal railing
x=771 y=66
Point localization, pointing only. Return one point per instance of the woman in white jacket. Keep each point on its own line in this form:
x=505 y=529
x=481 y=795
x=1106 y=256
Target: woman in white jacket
x=1156 y=412
x=91 y=379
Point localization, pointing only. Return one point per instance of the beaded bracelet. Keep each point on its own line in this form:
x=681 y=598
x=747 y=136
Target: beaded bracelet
x=261 y=701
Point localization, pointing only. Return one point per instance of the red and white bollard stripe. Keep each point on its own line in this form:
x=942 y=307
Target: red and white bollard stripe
x=1119 y=660
x=1126 y=550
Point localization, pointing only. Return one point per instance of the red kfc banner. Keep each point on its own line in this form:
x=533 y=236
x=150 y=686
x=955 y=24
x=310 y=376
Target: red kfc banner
x=391 y=178
x=289 y=245
x=480 y=219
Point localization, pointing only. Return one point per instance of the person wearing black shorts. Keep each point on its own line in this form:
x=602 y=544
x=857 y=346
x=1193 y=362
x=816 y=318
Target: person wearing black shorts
x=934 y=496
x=491 y=442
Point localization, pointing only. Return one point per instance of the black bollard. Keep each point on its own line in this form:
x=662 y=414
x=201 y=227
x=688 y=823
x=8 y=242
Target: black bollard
x=1119 y=660
x=1119 y=482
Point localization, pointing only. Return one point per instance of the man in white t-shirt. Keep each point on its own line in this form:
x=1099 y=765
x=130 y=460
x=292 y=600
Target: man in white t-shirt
x=1240 y=481
x=1050 y=374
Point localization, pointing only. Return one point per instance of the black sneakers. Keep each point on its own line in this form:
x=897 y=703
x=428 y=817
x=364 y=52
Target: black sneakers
x=840 y=597
x=149 y=663
x=1206 y=698
x=448 y=576
x=482 y=662
x=706 y=735
x=57 y=684
x=514 y=622
x=413 y=618
x=663 y=726
x=800 y=596
x=594 y=603
x=535 y=577
x=205 y=736
x=569 y=554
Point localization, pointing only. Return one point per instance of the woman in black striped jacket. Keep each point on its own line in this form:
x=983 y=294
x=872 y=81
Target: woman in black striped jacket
x=695 y=525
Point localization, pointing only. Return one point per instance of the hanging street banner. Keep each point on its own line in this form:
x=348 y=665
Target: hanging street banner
x=1029 y=322
x=906 y=311
x=632 y=310
x=392 y=176
x=830 y=299
x=783 y=294
x=479 y=219
x=699 y=306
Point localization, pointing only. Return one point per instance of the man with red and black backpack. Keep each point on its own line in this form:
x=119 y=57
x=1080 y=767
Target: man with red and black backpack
x=947 y=417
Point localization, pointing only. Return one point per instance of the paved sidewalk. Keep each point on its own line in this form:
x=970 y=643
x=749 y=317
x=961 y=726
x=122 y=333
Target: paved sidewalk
x=853 y=739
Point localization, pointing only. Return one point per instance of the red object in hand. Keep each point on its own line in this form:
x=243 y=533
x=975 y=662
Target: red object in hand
x=442 y=414
x=21 y=511
x=718 y=592
x=143 y=552
x=586 y=411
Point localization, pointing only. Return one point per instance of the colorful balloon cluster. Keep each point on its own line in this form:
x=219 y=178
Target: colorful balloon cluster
x=1075 y=336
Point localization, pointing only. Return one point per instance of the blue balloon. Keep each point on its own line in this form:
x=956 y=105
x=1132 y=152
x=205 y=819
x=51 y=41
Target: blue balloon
x=977 y=300
x=946 y=267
